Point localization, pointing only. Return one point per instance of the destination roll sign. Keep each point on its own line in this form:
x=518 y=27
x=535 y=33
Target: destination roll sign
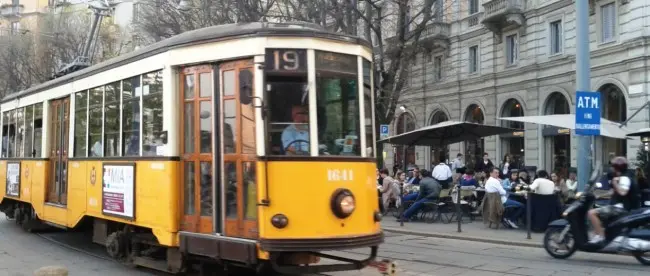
x=588 y=113
x=285 y=60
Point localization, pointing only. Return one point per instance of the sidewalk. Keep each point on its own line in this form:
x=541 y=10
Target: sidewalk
x=471 y=231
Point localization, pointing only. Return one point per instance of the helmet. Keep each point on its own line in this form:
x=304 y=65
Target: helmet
x=619 y=164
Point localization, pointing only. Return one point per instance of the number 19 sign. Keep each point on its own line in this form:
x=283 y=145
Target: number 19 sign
x=285 y=60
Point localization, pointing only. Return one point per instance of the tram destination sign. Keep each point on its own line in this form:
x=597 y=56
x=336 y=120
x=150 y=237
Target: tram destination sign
x=285 y=60
x=335 y=62
x=587 y=113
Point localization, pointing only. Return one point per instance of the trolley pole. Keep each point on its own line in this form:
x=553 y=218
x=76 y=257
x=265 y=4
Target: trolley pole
x=583 y=78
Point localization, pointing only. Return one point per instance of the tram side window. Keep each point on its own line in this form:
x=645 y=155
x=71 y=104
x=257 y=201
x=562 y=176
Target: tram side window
x=112 y=119
x=20 y=132
x=289 y=115
x=131 y=92
x=11 y=131
x=38 y=129
x=80 y=123
x=95 y=122
x=337 y=103
x=152 y=115
x=5 y=134
x=367 y=106
x=29 y=131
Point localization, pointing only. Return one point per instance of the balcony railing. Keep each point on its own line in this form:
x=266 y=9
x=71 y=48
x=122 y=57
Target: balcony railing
x=437 y=29
x=11 y=11
x=499 y=14
x=496 y=8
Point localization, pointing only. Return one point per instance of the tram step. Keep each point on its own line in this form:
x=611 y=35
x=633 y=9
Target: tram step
x=160 y=265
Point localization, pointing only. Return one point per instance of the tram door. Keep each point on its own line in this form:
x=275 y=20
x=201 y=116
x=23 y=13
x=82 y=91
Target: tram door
x=58 y=139
x=238 y=179
x=196 y=147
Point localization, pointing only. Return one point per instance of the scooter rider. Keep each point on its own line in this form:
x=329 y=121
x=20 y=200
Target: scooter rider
x=624 y=198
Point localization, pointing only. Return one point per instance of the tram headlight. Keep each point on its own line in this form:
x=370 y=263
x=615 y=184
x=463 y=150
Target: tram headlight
x=280 y=221
x=343 y=203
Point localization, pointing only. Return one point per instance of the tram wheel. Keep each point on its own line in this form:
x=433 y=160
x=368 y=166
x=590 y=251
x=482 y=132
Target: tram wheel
x=115 y=245
x=26 y=222
x=18 y=216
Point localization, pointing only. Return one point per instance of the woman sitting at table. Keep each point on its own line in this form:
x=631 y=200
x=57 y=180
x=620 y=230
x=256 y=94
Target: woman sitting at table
x=468 y=179
x=511 y=181
x=542 y=185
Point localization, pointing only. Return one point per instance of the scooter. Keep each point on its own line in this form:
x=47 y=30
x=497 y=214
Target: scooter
x=625 y=235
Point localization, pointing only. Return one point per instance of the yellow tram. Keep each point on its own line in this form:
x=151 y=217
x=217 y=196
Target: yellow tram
x=130 y=147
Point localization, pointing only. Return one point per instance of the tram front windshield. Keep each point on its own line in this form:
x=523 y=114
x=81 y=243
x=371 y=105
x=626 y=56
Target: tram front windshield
x=337 y=109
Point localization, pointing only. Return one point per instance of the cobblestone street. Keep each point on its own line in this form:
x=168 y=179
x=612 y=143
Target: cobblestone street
x=22 y=253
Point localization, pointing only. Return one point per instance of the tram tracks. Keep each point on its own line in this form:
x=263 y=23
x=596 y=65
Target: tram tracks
x=51 y=237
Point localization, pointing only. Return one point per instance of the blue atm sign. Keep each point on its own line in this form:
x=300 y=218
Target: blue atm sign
x=588 y=113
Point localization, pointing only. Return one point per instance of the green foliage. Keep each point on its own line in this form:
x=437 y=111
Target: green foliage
x=643 y=160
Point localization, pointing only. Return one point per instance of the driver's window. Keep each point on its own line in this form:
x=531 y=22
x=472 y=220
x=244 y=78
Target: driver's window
x=288 y=103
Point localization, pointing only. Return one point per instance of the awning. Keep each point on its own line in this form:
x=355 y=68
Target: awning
x=444 y=133
x=607 y=127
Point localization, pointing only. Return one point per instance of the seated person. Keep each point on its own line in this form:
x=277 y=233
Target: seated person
x=542 y=185
x=295 y=135
x=468 y=179
x=429 y=192
x=493 y=185
x=512 y=180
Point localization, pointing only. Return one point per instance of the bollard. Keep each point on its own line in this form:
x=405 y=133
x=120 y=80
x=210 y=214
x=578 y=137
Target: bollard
x=458 y=215
x=528 y=213
x=401 y=206
x=51 y=271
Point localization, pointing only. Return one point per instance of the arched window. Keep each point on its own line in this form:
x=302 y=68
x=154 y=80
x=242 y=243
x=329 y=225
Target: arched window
x=405 y=123
x=557 y=141
x=438 y=152
x=474 y=148
x=614 y=108
x=512 y=144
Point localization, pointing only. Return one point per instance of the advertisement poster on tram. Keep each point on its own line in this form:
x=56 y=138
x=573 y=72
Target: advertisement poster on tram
x=13 y=179
x=118 y=190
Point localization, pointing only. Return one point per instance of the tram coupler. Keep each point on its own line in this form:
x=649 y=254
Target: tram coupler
x=385 y=267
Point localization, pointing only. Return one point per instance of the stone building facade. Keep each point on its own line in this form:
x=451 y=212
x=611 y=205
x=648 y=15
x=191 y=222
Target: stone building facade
x=503 y=58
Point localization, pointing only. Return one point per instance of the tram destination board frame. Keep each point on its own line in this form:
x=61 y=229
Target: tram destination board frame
x=285 y=61
x=120 y=183
x=13 y=173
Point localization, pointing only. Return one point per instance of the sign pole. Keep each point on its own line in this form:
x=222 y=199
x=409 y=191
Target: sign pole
x=583 y=78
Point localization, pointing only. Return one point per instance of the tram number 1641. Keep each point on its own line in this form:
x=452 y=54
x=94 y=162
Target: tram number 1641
x=339 y=175
x=286 y=60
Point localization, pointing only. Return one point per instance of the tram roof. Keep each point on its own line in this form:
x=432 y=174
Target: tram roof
x=198 y=36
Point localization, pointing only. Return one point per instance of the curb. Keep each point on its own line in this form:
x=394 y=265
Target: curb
x=462 y=238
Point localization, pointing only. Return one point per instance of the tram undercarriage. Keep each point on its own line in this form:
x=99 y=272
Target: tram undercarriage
x=200 y=253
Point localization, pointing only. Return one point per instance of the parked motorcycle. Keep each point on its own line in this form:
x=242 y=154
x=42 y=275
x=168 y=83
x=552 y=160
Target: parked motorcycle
x=625 y=235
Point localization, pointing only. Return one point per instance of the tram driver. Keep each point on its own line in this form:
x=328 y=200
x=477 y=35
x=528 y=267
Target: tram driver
x=295 y=137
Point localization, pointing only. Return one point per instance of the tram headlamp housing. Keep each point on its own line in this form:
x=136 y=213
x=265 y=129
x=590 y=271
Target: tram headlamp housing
x=342 y=203
x=280 y=221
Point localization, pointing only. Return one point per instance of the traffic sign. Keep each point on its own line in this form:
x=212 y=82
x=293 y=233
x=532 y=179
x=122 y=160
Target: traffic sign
x=587 y=113
x=383 y=131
